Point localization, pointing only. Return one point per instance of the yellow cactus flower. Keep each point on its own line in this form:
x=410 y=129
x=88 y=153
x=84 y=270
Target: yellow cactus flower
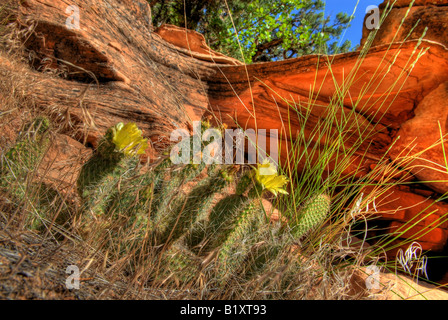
x=128 y=139
x=266 y=175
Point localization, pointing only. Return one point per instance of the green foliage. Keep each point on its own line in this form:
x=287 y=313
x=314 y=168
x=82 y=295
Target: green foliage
x=267 y=30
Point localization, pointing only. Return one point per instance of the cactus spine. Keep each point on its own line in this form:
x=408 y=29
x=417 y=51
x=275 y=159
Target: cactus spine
x=244 y=183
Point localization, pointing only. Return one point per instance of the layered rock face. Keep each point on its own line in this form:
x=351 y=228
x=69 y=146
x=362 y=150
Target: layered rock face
x=115 y=67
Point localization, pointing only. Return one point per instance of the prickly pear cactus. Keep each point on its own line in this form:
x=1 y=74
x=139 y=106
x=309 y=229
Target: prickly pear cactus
x=262 y=255
x=187 y=231
x=98 y=181
x=228 y=230
x=169 y=189
x=131 y=203
x=313 y=213
x=210 y=234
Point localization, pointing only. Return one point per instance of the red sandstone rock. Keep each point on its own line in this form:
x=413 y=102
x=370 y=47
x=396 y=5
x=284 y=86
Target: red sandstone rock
x=193 y=44
x=63 y=161
x=417 y=3
x=402 y=204
x=113 y=68
x=412 y=216
x=277 y=89
x=421 y=137
x=272 y=212
x=430 y=236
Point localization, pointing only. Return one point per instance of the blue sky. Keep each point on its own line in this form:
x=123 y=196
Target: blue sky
x=354 y=33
